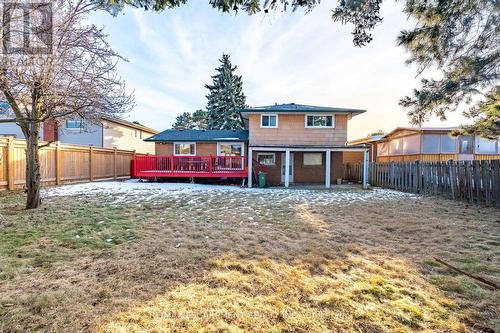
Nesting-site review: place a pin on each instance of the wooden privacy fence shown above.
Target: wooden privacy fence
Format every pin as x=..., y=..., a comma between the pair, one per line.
x=62, y=163
x=472, y=181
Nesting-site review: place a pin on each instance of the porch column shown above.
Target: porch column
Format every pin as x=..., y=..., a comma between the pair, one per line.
x=365, y=169
x=287, y=167
x=250, y=154
x=327, y=168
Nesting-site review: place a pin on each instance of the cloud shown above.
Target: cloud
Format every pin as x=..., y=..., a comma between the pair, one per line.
x=283, y=57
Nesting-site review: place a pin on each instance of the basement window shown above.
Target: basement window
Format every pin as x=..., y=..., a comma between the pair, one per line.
x=313, y=158
x=266, y=158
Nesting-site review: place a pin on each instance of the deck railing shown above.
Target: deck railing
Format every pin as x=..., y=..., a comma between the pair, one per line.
x=189, y=166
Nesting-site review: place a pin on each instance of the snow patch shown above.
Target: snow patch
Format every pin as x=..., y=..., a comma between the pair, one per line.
x=136, y=192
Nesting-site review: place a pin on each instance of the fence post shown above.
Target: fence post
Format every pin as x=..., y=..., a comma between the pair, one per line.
x=58, y=163
x=133, y=162
x=365, y=169
x=10, y=163
x=391, y=175
x=91, y=166
x=452, y=179
x=114, y=163
x=495, y=167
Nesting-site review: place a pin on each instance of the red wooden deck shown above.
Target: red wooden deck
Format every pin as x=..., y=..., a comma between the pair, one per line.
x=153, y=166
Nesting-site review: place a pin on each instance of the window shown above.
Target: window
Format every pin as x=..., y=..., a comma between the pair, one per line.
x=430, y=143
x=269, y=120
x=411, y=144
x=185, y=148
x=465, y=145
x=485, y=146
x=396, y=147
x=230, y=149
x=448, y=144
x=313, y=158
x=319, y=121
x=266, y=158
x=383, y=149
x=74, y=124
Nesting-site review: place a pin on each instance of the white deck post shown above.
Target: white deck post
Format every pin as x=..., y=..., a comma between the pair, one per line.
x=365, y=169
x=250, y=156
x=287, y=167
x=328, y=167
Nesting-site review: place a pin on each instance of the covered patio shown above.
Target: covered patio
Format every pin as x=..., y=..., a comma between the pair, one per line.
x=303, y=163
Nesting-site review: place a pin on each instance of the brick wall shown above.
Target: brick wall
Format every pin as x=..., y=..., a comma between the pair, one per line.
x=307, y=174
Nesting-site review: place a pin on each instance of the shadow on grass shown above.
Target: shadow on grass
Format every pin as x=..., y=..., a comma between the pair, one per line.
x=238, y=263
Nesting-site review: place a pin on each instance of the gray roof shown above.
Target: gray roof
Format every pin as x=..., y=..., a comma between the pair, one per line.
x=171, y=135
x=292, y=107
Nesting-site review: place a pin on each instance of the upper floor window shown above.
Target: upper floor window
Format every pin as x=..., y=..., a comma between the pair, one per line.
x=319, y=121
x=269, y=121
x=74, y=124
x=185, y=148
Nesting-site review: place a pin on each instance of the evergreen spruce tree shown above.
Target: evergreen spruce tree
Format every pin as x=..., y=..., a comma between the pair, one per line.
x=200, y=119
x=225, y=98
x=184, y=121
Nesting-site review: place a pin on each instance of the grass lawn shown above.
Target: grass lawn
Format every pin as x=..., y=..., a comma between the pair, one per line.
x=146, y=257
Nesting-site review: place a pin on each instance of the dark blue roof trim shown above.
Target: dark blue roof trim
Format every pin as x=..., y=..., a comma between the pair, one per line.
x=292, y=107
x=172, y=135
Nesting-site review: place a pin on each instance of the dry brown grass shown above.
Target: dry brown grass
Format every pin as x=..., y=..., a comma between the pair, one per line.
x=246, y=264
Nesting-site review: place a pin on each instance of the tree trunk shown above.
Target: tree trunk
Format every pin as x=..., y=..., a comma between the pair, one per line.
x=32, y=167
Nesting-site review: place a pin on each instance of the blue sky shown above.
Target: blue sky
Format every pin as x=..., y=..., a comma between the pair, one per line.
x=283, y=57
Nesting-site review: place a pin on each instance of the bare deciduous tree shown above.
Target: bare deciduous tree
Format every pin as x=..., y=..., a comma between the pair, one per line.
x=63, y=69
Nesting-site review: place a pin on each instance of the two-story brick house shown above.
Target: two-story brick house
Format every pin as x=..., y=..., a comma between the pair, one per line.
x=299, y=143
x=294, y=143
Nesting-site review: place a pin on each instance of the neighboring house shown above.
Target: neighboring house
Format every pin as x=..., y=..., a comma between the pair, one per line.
x=371, y=142
x=295, y=143
x=108, y=133
x=431, y=144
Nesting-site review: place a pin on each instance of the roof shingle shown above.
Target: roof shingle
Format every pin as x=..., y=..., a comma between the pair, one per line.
x=292, y=107
x=171, y=135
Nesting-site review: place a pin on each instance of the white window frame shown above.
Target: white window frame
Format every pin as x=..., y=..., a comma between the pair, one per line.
x=74, y=128
x=231, y=143
x=274, y=158
x=185, y=143
x=269, y=115
x=319, y=115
